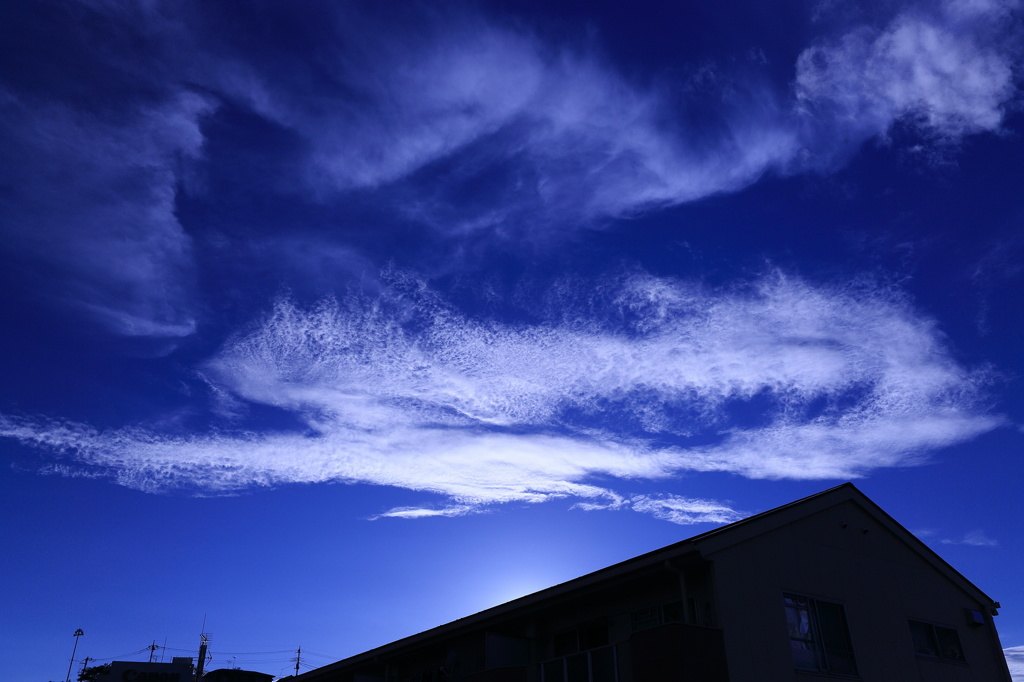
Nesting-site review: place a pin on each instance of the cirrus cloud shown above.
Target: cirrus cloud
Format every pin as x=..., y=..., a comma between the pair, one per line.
x=465, y=125
x=776, y=378
x=474, y=124
x=93, y=200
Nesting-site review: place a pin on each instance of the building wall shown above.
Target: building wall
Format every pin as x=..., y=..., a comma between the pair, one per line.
x=843, y=554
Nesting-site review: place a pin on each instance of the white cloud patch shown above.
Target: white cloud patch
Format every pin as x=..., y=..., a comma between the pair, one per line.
x=1015, y=662
x=92, y=199
x=942, y=71
x=425, y=513
x=975, y=538
x=683, y=510
x=778, y=379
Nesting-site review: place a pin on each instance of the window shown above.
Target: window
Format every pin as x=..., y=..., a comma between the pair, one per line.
x=672, y=612
x=588, y=635
x=593, y=634
x=818, y=635
x=936, y=641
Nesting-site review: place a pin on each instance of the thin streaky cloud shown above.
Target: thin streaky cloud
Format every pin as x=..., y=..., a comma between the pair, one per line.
x=975, y=538
x=94, y=200
x=683, y=510
x=1015, y=662
x=402, y=390
x=577, y=142
x=424, y=512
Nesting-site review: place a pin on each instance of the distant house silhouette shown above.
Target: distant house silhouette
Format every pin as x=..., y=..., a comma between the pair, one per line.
x=178, y=670
x=827, y=587
x=236, y=675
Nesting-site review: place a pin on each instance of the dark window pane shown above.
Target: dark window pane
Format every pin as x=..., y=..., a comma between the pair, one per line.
x=694, y=607
x=841, y=662
x=673, y=612
x=804, y=655
x=819, y=637
x=593, y=634
x=835, y=638
x=801, y=638
x=949, y=644
x=924, y=639
x=798, y=619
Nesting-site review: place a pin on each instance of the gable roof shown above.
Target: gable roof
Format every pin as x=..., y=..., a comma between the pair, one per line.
x=717, y=539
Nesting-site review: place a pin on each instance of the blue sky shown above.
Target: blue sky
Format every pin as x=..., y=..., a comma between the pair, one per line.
x=332, y=323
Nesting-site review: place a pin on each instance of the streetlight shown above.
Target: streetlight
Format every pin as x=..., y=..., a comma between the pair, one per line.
x=78, y=633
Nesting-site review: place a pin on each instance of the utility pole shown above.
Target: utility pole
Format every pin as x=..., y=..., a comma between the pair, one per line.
x=298, y=659
x=152, y=649
x=85, y=663
x=78, y=633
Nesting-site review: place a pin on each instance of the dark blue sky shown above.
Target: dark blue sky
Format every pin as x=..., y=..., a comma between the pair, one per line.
x=334, y=322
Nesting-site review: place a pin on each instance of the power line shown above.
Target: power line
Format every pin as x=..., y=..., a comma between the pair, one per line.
x=253, y=653
x=331, y=657
x=264, y=658
x=120, y=656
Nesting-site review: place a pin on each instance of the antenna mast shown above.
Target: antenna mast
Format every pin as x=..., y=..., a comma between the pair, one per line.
x=203, y=641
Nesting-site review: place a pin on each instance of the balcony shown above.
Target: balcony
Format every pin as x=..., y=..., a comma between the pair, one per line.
x=678, y=652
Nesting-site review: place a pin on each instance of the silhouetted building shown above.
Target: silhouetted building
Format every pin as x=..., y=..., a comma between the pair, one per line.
x=827, y=587
x=236, y=675
x=178, y=670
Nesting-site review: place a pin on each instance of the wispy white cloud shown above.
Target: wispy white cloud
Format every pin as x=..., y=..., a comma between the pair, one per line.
x=515, y=132
x=976, y=538
x=779, y=379
x=563, y=138
x=683, y=510
x=1015, y=662
x=673, y=508
x=425, y=513
x=567, y=138
x=90, y=207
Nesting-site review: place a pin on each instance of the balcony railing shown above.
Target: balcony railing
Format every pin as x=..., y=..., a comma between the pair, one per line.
x=595, y=665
